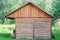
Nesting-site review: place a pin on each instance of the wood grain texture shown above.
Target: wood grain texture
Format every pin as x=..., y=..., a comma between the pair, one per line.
x=25, y=27
x=33, y=27
x=28, y=10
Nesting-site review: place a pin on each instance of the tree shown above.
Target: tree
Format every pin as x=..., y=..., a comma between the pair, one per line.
x=48, y=6
x=6, y=7
x=56, y=10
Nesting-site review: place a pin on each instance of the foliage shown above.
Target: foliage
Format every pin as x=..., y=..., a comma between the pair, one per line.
x=6, y=36
x=56, y=33
x=5, y=31
x=6, y=28
x=6, y=7
x=56, y=8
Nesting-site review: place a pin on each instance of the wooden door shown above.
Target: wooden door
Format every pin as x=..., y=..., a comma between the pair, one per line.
x=24, y=28
x=32, y=27
x=41, y=28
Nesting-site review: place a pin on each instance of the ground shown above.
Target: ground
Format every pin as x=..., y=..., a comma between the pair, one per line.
x=56, y=33
x=6, y=30
x=5, y=36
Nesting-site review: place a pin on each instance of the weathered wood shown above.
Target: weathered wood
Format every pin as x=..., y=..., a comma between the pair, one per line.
x=28, y=10
x=27, y=26
x=42, y=27
x=31, y=22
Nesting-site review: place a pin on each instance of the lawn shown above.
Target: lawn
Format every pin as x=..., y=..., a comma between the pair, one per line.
x=56, y=33
x=5, y=31
x=5, y=36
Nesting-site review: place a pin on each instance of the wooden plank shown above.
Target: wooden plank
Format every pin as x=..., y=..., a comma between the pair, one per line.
x=25, y=27
x=34, y=11
x=25, y=11
x=24, y=20
x=42, y=19
x=29, y=10
x=33, y=26
x=42, y=27
x=24, y=36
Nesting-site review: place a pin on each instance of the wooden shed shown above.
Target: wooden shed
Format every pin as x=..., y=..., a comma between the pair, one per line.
x=31, y=22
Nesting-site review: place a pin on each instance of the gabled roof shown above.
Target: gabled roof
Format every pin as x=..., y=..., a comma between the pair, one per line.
x=26, y=4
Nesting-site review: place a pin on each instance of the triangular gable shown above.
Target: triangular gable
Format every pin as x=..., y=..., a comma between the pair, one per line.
x=23, y=11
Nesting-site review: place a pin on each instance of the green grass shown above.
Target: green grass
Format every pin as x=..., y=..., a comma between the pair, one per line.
x=56, y=34
x=6, y=28
x=25, y=39
x=5, y=36
x=32, y=39
x=5, y=31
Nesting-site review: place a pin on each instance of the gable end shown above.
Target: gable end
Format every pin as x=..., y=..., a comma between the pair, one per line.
x=28, y=10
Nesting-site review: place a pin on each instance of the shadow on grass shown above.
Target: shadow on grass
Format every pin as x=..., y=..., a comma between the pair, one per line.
x=32, y=39
x=5, y=36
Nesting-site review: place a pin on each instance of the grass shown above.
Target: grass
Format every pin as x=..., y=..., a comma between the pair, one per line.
x=6, y=28
x=32, y=39
x=5, y=31
x=56, y=34
x=25, y=39
x=5, y=36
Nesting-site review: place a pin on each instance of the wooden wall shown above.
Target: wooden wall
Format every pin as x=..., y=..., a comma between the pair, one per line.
x=33, y=27
x=24, y=28
x=28, y=10
x=42, y=27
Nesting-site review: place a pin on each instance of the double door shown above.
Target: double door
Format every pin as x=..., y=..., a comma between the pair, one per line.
x=32, y=27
